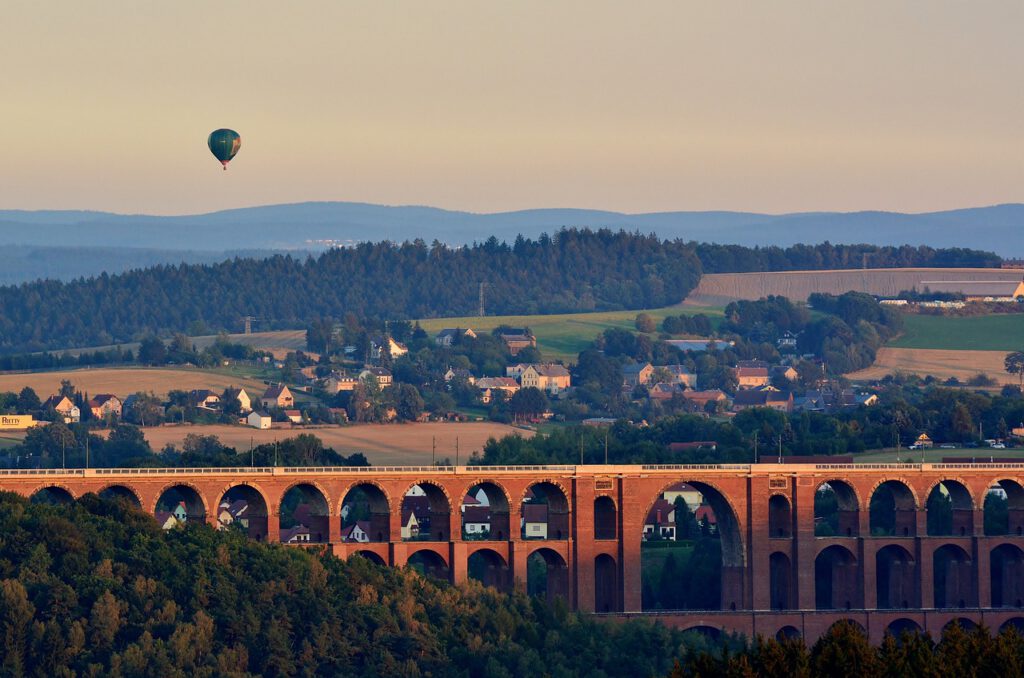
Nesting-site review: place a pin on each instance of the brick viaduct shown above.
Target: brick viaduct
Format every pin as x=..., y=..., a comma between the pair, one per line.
x=777, y=576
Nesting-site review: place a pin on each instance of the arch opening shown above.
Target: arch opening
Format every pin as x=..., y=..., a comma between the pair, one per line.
x=243, y=508
x=365, y=515
x=426, y=514
x=692, y=554
x=179, y=504
x=1004, y=509
x=898, y=627
x=605, y=518
x=52, y=495
x=429, y=564
x=836, y=510
x=895, y=579
x=547, y=575
x=485, y=513
x=121, y=493
x=304, y=516
x=953, y=578
x=606, y=584
x=490, y=569
x=892, y=511
x=1016, y=623
x=1006, y=569
x=545, y=513
x=780, y=518
x=950, y=511
x=780, y=581
x=787, y=633
x=964, y=623
x=837, y=580
x=369, y=555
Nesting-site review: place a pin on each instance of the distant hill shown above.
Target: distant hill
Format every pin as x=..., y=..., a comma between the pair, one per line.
x=312, y=225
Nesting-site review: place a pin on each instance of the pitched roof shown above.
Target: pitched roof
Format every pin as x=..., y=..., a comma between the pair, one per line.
x=751, y=372
x=535, y=513
x=551, y=370
x=704, y=396
x=288, y=533
x=636, y=368
x=275, y=391
x=477, y=514
x=101, y=398
x=660, y=512
x=496, y=382
x=363, y=525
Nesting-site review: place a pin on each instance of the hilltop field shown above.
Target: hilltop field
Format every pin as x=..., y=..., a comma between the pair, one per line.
x=122, y=381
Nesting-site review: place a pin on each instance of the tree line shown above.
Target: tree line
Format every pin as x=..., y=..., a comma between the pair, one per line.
x=574, y=270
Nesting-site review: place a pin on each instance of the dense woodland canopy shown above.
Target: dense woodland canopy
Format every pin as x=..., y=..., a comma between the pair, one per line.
x=97, y=588
x=575, y=270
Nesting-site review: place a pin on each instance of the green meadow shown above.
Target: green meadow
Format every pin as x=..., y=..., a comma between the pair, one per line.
x=563, y=336
x=1004, y=332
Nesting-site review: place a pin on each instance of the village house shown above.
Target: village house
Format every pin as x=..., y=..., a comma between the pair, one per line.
x=786, y=372
x=476, y=520
x=230, y=512
x=763, y=397
x=447, y=336
x=259, y=420
x=535, y=521
x=336, y=383
x=380, y=375
x=459, y=373
x=698, y=400
x=663, y=391
x=516, y=371
x=691, y=496
x=239, y=394
x=105, y=405
x=638, y=374
x=358, y=532
x=294, y=416
x=397, y=349
x=415, y=515
x=546, y=377
x=661, y=521
x=295, y=535
x=277, y=396
x=204, y=398
x=517, y=340
x=750, y=377
x=63, y=405
x=173, y=518
x=680, y=375
x=923, y=442
x=488, y=385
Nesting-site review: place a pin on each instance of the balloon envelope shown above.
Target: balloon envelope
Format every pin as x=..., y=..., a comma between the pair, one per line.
x=224, y=144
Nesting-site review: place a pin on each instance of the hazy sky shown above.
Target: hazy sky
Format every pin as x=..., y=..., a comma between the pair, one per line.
x=773, y=105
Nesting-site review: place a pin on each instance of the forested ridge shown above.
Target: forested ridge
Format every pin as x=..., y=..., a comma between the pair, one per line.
x=97, y=588
x=575, y=270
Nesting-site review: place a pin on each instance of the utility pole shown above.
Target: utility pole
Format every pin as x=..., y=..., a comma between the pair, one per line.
x=755, y=447
x=433, y=450
x=275, y=452
x=248, y=323
x=86, y=449
x=780, y=448
x=482, y=285
x=62, y=456
x=606, y=446
x=581, y=449
x=252, y=454
x=456, y=451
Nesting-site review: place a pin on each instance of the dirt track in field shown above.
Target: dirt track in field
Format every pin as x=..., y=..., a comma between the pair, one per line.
x=939, y=363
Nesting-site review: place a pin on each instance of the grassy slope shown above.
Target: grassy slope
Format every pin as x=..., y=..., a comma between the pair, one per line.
x=563, y=336
x=982, y=333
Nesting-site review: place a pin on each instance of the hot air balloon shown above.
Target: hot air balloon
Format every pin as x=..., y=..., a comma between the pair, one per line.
x=224, y=144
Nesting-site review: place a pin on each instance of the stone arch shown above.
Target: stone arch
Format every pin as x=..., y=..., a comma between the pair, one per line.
x=312, y=482
x=497, y=513
x=836, y=509
x=787, y=633
x=1016, y=623
x=837, y=579
x=710, y=634
x=780, y=576
x=898, y=627
x=1006, y=574
x=963, y=622
x=547, y=574
x=367, y=517
x=895, y=579
x=857, y=626
x=1003, y=508
x=950, y=509
x=243, y=505
x=953, y=577
x=488, y=567
x=426, y=516
x=731, y=581
x=304, y=514
x=606, y=584
x=195, y=504
x=892, y=509
x=545, y=511
x=369, y=555
x=52, y=493
x=115, y=491
x=780, y=517
x=429, y=563
x=605, y=518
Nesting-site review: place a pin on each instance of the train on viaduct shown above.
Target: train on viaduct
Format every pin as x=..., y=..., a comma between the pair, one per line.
x=780, y=575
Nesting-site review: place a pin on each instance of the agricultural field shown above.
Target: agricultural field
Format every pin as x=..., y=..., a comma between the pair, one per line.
x=563, y=336
x=123, y=381
x=941, y=364
x=997, y=332
x=721, y=288
x=278, y=342
x=383, y=444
